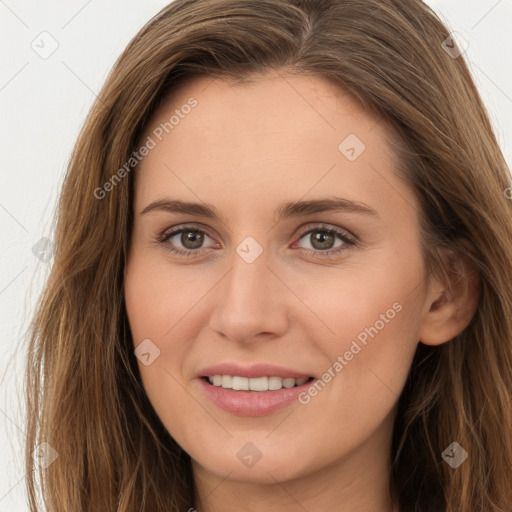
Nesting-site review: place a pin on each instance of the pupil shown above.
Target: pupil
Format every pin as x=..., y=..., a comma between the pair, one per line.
x=324, y=239
x=191, y=236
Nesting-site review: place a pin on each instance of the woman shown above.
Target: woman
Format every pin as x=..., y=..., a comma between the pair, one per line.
x=191, y=353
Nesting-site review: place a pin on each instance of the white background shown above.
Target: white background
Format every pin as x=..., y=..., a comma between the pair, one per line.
x=44, y=103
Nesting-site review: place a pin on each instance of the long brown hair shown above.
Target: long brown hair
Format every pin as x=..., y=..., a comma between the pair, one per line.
x=84, y=393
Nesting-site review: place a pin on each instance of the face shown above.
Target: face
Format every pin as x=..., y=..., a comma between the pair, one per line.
x=298, y=269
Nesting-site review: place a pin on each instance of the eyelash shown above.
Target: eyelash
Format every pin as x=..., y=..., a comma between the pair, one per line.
x=316, y=253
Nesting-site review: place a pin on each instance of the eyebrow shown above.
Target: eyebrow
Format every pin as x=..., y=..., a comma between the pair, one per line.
x=284, y=211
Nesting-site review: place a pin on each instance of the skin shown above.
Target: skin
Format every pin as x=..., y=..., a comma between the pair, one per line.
x=245, y=150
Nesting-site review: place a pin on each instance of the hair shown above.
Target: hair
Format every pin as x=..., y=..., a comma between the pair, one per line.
x=84, y=395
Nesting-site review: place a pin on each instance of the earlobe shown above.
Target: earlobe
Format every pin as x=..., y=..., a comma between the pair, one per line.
x=451, y=304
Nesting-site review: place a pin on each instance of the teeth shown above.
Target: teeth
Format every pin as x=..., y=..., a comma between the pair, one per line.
x=275, y=383
x=258, y=384
x=240, y=383
x=227, y=381
x=255, y=384
x=288, y=382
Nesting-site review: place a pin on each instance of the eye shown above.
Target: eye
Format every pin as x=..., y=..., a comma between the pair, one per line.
x=191, y=240
x=322, y=240
x=188, y=241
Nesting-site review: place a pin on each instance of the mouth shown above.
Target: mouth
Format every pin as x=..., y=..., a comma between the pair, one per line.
x=256, y=390
x=253, y=396
x=259, y=384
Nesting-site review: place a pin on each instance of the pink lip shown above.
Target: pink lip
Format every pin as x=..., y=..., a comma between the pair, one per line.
x=251, y=403
x=257, y=370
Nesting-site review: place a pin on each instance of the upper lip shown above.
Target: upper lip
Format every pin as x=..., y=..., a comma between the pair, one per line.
x=253, y=371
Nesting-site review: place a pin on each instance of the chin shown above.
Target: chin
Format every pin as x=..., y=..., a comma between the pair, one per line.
x=263, y=472
x=260, y=461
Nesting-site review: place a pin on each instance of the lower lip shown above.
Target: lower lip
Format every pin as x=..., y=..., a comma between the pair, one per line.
x=252, y=403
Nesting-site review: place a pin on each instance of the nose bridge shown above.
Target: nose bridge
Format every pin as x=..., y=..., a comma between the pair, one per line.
x=248, y=301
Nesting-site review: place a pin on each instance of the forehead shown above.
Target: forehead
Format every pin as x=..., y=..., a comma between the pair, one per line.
x=278, y=135
x=266, y=103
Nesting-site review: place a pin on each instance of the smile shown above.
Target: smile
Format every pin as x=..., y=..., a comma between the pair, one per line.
x=271, y=383
x=252, y=396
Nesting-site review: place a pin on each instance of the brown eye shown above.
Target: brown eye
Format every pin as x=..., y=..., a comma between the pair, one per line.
x=189, y=242
x=321, y=240
x=192, y=239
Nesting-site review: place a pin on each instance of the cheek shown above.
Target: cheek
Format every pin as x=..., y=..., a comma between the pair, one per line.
x=157, y=297
x=155, y=304
x=374, y=299
x=373, y=316
x=165, y=305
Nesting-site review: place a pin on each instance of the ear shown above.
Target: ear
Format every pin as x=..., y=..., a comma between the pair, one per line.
x=451, y=301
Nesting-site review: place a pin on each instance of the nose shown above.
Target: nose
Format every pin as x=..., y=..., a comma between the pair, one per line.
x=250, y=302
